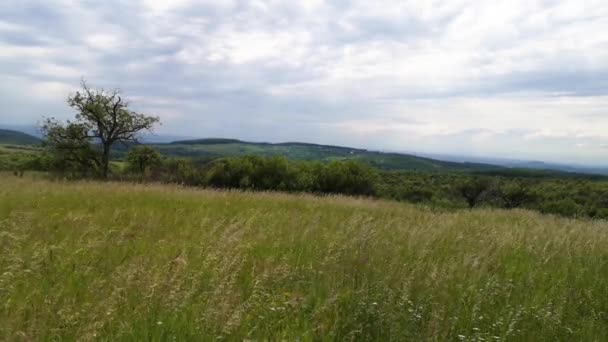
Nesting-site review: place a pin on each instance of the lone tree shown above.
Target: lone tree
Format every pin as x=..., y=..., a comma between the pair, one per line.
x=102, y=117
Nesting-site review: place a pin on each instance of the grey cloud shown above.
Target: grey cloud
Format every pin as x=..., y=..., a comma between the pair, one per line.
x=206, y=96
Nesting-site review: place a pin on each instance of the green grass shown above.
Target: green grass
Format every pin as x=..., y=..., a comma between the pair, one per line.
x=15, y=157
x=110, y=261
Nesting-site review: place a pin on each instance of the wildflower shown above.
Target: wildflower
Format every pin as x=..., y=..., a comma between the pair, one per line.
x=159, y=323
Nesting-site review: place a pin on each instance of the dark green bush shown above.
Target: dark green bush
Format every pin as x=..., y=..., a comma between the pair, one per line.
x=346, y=177
x=182, y=171
x=278, y=174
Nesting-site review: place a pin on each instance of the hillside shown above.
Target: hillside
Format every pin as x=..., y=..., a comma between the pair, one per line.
x=17, y=157
x=10, y=137
x=110, y=261
x=215, y=148
x=211, y=148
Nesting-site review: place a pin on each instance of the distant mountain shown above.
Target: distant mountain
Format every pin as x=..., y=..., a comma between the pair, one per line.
x=524, y=164
x=10, y=137
x=209, y=148
x=32, y=130
x=220, y=147
x=153, y=138
x=208, y=141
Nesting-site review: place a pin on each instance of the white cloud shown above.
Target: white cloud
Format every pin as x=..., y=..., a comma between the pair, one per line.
x=524, y=77
x=50, y=90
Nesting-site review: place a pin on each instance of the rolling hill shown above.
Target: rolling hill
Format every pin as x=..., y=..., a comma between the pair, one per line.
x=217, y=147
x=10, y=137
x=212, y=148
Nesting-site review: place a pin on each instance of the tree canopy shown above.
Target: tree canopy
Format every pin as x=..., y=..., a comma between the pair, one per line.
x=103, y=118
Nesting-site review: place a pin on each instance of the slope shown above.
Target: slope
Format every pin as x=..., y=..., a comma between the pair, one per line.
x=109, y=261
x=215, y=148
x=10, y=137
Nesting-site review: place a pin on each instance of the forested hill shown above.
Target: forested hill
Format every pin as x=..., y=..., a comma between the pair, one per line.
x=213, y=148
x=217, y=147
x=10, y=137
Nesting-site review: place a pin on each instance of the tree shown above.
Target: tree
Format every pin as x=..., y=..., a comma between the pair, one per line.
x=69, y=148
x=102, y=117
x=348, y=177
x=142, y=158
x=473, y=190
x=515, y=194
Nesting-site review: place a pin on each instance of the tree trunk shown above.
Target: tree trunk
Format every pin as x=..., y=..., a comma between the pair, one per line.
x=105, y=161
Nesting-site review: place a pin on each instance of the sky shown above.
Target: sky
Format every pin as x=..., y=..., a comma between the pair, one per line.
x=520, y=79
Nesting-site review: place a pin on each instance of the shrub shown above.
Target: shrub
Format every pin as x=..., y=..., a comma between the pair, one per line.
x=141, y=159
x=474, y=190
x=346, y=177
x=182, y=171
x=515, y=194
x=563, y=207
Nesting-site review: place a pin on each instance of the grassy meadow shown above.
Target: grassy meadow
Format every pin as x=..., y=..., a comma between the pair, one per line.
x=116, y=261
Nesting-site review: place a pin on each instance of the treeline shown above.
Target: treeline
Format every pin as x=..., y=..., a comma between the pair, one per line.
x=576, y=197
x=254, y=173
x=570, y=197
x=82, y=148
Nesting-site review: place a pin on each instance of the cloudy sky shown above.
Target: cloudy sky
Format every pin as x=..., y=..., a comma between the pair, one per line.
x=513, y=79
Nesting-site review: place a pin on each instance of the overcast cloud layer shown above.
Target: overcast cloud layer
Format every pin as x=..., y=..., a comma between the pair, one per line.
x=513, y=79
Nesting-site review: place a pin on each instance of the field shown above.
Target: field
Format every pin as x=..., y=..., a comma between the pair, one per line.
x=115, y=261
x=15, y=157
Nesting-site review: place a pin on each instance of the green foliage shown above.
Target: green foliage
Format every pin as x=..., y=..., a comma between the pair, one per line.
x=515, y=194
x=182, y=171
x=69, y=149
x=474, y=190
x=562, y=196
x=141, y=159
x=348, y=177
x=278, y=174
x=102, y=117
x=20, y=158
x=568, y=196
x=564, y=207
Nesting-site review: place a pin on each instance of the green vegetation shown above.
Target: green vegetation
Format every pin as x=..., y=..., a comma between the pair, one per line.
x=257, y=173
x=141, y=159
x=571, y=196
x=218, y=148
x=10, y=137
x=85, y=260
x=114, y=261
x=102, y=119
x=19, y=158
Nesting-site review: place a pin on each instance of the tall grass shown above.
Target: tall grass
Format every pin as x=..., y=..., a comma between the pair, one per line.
x=108, y=261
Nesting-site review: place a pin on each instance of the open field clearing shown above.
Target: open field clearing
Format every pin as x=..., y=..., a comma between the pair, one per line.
x=111, y=261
